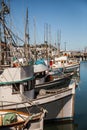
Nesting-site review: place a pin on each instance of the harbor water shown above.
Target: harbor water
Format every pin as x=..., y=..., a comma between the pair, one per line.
x=80, y=118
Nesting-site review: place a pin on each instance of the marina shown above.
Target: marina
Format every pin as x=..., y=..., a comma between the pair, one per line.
x=40, y=85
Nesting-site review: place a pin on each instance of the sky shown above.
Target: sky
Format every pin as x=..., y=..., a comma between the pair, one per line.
x=66, y=16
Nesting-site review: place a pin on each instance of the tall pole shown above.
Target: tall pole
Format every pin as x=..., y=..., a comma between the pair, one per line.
x=3, y=12
x=35, y=38
x=27, y=55
x=59, y=41
x=65, y=45
x=50, y=40
x=0, y=44
x=46, y=41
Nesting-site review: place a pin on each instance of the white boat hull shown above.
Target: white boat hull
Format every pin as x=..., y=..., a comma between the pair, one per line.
x=60, y=105
x=71, y=68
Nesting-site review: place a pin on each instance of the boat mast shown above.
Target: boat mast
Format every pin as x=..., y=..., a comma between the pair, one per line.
x=35, y=39
x=3, y=38
x=26, y=46
x=50, y=52
x=46, y=39
x=0, y=41
x=59, y=40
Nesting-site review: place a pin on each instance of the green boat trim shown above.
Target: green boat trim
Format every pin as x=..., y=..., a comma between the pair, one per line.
x=19, y=81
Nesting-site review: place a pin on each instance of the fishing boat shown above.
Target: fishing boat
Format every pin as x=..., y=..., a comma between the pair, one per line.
x=13, y=119
x=46, y=78
x=66, y=64
x=58, y=102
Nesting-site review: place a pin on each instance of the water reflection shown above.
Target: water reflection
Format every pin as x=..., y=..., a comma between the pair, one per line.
x=80, y=100
x=57, y=126
x=76, y=77
x=5, y=128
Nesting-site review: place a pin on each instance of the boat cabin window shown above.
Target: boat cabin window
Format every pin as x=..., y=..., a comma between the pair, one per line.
x=16, y=88
x=28, y=85
x=64, y=61
x=40, y=75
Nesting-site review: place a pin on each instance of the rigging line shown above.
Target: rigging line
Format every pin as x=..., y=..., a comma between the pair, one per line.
x=1, y=81
x=7, y=30
x=30, y=101
x=16, y=104
x=22, y=97
x=13, y=77
x=24, y=102
x=21, y=116
x=10, y=75
x=64, y=74
x=4, y=77
x=15, y=35
x=20, y=65
x=16, y=29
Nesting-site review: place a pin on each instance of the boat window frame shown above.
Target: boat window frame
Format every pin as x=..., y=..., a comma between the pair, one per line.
x=27, y=86
x=30, y=85
x=14, y=87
